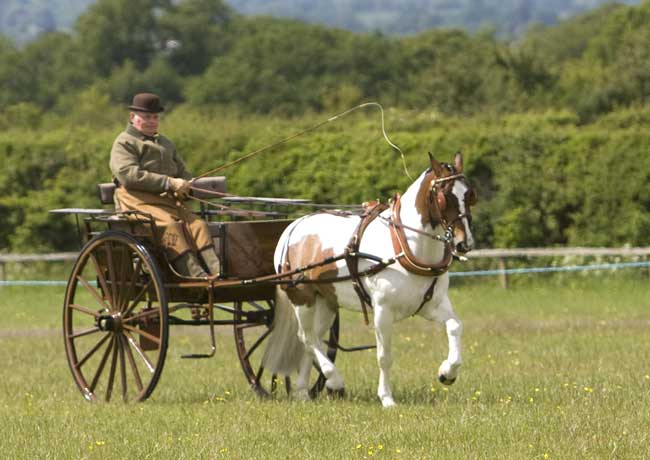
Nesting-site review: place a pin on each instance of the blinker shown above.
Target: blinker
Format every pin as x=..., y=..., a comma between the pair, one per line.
x=442, y=200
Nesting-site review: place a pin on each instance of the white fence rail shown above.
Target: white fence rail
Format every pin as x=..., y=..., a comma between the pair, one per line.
x=26, y=258
x=501, y=254
x=559, y=252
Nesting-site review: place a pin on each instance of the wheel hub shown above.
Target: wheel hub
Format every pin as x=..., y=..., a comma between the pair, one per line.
x=110, y=323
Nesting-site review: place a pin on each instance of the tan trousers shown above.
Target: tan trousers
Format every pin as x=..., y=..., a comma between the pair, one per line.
x=180, y=230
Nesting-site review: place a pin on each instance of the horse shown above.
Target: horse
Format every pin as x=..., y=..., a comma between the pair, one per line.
x=400, y=259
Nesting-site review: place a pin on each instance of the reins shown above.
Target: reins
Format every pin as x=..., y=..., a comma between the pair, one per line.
x=351, y=254
x=308, y=130
x=289, y=138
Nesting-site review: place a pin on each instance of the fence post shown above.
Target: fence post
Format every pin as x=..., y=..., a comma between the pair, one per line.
x=503, y=276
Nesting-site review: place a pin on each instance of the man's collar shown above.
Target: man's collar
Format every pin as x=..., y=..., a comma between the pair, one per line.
x=133, y=131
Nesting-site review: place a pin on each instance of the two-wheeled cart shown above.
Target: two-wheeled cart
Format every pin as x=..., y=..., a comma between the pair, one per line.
x=122, y=296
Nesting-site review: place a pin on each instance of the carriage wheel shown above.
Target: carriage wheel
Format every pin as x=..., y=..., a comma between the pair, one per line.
x=252, y=327
x=115, y=321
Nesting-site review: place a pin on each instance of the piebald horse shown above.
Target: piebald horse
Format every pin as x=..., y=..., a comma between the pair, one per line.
x=430, y=223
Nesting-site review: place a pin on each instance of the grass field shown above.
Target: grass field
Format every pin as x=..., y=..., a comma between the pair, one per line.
x=554, y=368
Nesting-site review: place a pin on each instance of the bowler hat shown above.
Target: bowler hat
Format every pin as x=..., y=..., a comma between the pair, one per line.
x=146, y=102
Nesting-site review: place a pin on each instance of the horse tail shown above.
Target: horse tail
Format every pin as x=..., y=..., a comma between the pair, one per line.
x=284, y=350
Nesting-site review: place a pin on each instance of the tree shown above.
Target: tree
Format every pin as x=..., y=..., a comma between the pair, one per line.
x=195, y=32
x=113, y=31
x=446, y=70
x=275, y=66
x=52, y=70
x=14, y=87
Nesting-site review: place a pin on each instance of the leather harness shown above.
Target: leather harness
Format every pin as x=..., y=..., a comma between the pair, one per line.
x=403, y=254
x=370, y=213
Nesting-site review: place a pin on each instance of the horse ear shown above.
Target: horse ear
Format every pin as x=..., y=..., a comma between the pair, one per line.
x=458, y=162
x=435, y=166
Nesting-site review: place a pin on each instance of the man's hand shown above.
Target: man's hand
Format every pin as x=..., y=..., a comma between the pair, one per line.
x=180, y=187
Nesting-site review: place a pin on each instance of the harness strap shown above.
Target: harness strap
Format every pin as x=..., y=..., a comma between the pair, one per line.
x=427, y=295
x=372, y=210
x=406, y=258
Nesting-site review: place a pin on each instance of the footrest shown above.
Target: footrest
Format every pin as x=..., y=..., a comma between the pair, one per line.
x=199, y=355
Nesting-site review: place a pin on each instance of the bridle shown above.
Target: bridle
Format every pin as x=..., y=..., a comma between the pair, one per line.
x=436, y=197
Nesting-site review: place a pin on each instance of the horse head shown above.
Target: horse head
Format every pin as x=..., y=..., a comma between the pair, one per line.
x=445, y=199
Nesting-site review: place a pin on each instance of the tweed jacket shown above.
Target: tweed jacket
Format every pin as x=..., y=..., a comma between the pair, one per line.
x=140, y=162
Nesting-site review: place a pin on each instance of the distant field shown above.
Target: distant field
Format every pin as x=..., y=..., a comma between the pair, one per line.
x=554, y=368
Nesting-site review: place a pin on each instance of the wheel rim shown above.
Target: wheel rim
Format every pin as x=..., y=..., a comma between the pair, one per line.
x=251, y=329
x=115, y=320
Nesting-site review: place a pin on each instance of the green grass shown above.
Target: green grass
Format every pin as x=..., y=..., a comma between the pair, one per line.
x=553, y=368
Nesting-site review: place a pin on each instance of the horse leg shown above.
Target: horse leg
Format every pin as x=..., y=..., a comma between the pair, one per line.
x=323, y=322
x=448, y=370
x=305, y=316
x=383, y=320
x=302, y=382
x=313, y=322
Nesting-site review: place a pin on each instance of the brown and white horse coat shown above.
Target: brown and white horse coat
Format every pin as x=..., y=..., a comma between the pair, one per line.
x=395, y=292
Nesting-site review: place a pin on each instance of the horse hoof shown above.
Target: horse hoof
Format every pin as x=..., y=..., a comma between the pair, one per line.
x=339, y=393
x=445, y=381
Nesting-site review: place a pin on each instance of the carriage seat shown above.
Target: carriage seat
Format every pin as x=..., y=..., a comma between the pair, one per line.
x=209, y=184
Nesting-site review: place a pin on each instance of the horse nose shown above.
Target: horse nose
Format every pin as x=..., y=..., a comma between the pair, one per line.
x=463, y=247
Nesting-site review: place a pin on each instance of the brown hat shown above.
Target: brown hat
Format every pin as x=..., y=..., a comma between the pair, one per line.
x=146, y=102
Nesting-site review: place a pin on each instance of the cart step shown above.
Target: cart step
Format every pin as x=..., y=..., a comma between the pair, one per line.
x=213, y=349
x=198, y=355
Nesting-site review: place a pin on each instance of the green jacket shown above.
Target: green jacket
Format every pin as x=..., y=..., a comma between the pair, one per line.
x=142, y=163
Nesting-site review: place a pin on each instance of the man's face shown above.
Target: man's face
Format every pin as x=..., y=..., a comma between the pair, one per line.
x=146, y=123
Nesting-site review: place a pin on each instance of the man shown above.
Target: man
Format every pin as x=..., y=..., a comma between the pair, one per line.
x=151, y=178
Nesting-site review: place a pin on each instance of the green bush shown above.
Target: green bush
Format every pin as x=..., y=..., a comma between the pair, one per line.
x=542, y=179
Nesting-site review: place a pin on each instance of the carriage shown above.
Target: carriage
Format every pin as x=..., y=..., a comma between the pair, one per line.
x=123, y=295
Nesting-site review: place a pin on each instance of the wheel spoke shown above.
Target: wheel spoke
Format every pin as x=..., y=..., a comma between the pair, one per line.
x=120, y=344
x=137, y=299
x=111, y=372
x=76, y=335
x=111, y=273
x=258, y=374
x=142, y=315
x=144, y=334
x=257, y=343
x=122, y=272
x=102, y=278
x=141, y=353
x=256, y=305
x=93, y=292
x=249, y=325
x=102, y=363
x=92, y=351
x=85, y=310
x=134, y=367
x=134, y=279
